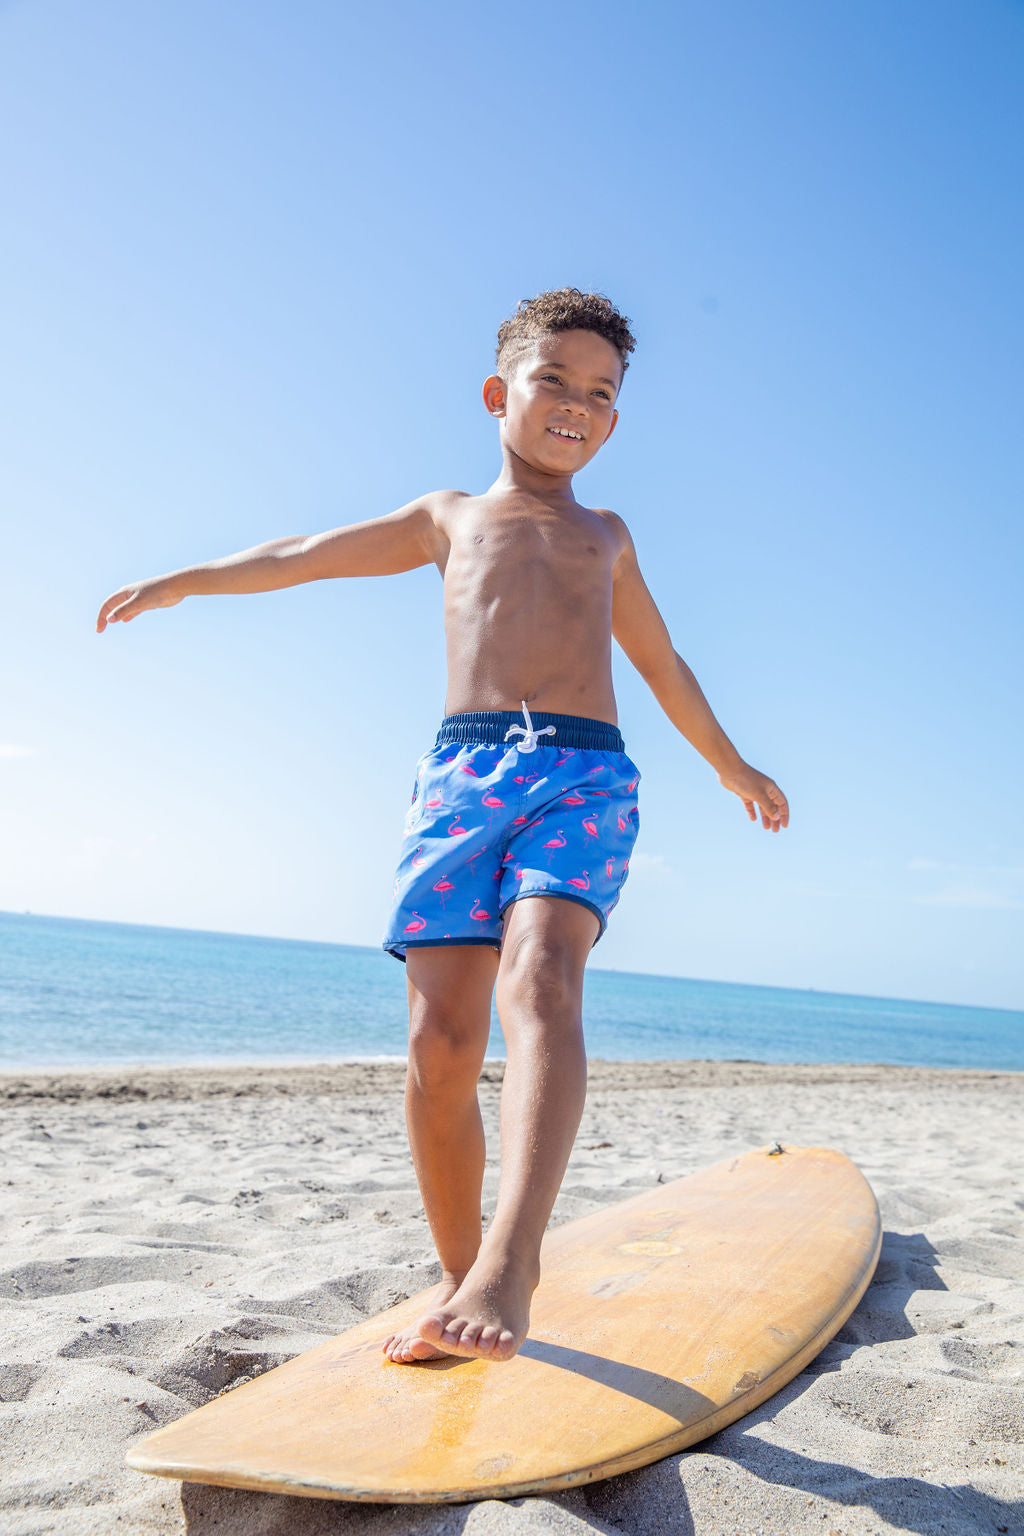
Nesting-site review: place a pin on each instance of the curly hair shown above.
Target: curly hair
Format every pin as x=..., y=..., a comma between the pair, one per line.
x=561, y=309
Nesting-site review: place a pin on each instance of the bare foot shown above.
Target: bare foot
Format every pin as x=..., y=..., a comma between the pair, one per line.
x=487, y=1317
x=407, y=1347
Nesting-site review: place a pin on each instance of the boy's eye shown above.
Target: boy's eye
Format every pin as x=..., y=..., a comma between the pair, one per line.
x=603, y=393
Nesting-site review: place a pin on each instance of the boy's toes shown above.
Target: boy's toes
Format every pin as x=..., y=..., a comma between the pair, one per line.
x=419, y=1349
x=505, y=1346
x=407, y=1348
x=432, y=1327
x=470, y=1336
x=453, y=1332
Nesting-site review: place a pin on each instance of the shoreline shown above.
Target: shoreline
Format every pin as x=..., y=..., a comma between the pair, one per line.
x=359, y=1077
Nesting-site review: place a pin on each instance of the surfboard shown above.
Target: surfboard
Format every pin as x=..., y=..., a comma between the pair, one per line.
x=657, y=1321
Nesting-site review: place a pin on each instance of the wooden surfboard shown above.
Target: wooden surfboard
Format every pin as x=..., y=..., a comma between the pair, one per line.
x=657, y=1322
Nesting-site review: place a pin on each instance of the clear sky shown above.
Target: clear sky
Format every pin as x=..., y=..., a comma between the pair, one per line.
x=254, y=257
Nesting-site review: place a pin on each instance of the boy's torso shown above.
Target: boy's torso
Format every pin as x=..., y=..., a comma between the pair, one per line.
x=527, y=602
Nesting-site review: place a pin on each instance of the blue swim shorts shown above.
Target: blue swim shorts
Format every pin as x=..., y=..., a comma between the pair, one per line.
x=501, y=811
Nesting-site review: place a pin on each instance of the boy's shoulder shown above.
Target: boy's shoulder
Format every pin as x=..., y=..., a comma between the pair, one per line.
x=611, y=518
x=446, y=500
x=616, y=526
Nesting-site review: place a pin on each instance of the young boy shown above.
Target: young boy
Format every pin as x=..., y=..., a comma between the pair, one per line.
x=518, y=839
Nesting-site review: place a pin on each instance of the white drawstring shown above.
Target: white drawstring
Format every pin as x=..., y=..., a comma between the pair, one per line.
x=529, y=735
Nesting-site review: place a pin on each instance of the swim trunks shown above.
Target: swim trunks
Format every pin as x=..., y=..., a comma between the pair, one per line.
x=501, y=812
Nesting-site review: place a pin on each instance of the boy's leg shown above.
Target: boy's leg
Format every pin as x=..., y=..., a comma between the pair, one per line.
x=450, y=991
x=540, y=988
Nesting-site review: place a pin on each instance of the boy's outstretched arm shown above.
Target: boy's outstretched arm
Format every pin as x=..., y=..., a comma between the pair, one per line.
x=641, y=631
x=381, y=547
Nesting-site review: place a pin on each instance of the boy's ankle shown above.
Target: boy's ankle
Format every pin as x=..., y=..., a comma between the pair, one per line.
x=510, y=1258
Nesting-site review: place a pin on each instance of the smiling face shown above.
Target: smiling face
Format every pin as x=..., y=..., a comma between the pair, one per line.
x=559, y=405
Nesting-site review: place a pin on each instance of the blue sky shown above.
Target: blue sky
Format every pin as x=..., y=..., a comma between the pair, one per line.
x=254, y=259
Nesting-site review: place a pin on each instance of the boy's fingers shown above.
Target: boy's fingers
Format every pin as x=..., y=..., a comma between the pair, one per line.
x=777, y=809
x=111, y=610
x=748, y=806
x=124, y=610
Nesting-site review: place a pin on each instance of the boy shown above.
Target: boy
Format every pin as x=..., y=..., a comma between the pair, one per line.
x=518, y=839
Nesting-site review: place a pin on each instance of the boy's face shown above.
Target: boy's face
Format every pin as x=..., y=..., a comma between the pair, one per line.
x=559, y=405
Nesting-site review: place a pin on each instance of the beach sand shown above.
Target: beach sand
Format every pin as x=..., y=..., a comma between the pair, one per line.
x=170, y=1232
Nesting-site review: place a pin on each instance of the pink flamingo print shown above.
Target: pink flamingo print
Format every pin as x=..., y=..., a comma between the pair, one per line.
x=558, y=841
x=623, y=823
x=467, y=769
x=633, y=784
x=490, y=799
x=566, y=754
x=572, y=798
x=417, y=925
x=525, y=778
x=416, y=860
x=609, y=867
x=433, y=802
x=471, y=861
x=481, y=916
x=589, y=827
x=592, y=773
x=582, y=883
x=454, y=830
x=520, y=821
x=442, y=887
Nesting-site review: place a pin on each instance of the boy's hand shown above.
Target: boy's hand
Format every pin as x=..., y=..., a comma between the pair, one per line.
x=758, y=793
x=128, y=602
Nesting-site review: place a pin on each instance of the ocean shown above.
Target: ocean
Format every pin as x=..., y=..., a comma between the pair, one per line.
x=75, y=993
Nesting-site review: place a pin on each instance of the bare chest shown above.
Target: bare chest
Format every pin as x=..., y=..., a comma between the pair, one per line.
x=574, y=551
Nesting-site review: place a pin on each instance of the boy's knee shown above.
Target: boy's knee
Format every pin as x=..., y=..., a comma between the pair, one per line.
x=445, y=1050
x=540, y=974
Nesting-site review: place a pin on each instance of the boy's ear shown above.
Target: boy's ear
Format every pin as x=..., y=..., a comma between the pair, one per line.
x=611, y=429
x=495, y=395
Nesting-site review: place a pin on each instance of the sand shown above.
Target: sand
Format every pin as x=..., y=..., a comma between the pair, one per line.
x=168, y=1233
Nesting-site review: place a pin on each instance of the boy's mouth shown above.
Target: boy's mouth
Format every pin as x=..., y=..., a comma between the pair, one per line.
x=566, y=432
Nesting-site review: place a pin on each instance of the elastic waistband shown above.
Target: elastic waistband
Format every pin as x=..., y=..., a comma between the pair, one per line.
x=488, y=727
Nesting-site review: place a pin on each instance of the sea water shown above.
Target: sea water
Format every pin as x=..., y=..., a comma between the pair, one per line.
x=77, y=993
